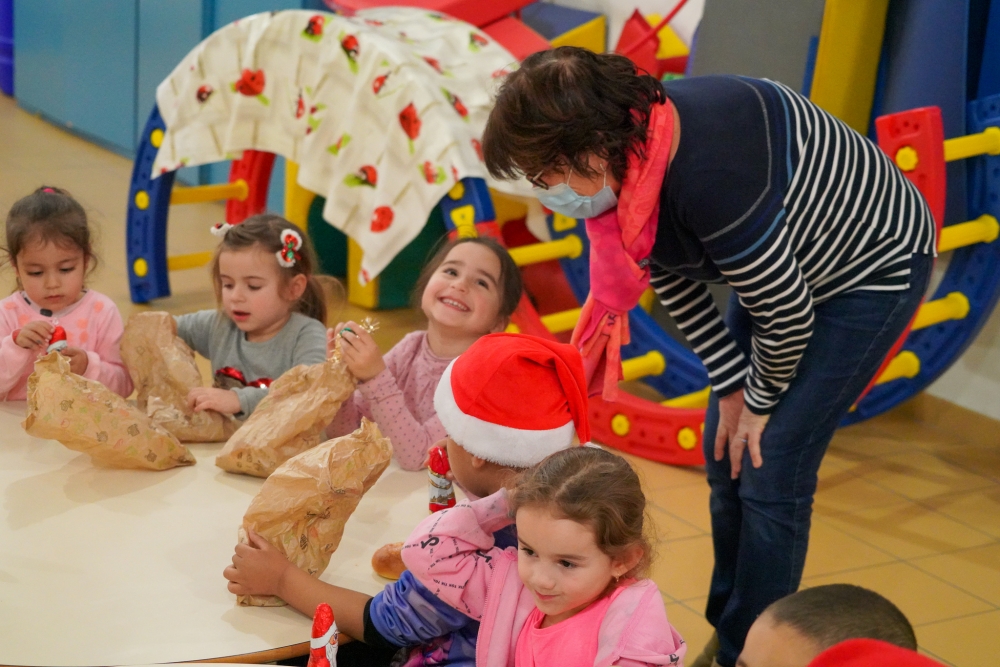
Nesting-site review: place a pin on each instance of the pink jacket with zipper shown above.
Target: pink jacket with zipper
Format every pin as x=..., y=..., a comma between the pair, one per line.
x=453, y=555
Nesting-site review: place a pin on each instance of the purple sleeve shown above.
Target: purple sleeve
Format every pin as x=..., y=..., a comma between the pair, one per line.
x=405, y=613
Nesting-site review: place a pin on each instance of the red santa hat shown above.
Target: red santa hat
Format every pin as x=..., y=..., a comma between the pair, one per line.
x=514, y=399
x=870, y=653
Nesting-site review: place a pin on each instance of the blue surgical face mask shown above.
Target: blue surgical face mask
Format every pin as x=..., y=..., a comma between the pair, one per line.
x=563, y=199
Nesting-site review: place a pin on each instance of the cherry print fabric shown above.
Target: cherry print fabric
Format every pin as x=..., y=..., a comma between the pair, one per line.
x=383, y=111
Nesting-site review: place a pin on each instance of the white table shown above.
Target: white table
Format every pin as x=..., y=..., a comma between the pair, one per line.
x=113, y=567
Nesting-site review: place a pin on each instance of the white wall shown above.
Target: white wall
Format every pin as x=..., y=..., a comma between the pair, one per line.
x=618, y=11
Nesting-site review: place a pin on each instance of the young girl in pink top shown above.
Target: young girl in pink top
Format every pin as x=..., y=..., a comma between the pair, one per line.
x=470, y=288
x=49, y=247
x=572, y=593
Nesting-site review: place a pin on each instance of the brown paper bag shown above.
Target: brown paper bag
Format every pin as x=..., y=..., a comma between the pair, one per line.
x=290, y=419
x=88, y=417
x=301, y=509
x=163, y=371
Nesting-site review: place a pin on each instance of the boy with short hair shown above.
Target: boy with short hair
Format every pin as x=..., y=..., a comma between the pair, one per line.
x=799, y=627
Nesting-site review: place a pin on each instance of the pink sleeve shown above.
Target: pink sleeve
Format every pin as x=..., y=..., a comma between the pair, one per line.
x=16, y=362
x=104, y=361
x=348, y=418
x=410, y=437
x=451, y=552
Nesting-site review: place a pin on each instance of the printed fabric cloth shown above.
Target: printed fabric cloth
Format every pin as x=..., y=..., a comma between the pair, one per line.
x=383, y=111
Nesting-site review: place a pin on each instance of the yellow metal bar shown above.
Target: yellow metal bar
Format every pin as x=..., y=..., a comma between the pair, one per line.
x=203, y=193
x=954, y=306
x=192, y=261
x=563, y=321
x=647, y=299
x=983, y=229
x=651, y=363
x=904, y=365
x=698, y=399
x=569, y=246
x=297, y=198
x=985, y=142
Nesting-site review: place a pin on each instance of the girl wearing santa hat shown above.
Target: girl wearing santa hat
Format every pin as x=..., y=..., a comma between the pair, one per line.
x=506, y=403
x=468, y=289
x=49, y=247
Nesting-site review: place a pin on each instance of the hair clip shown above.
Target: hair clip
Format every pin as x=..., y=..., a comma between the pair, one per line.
x=291, y=242
x=220, y=229
x=49, y=190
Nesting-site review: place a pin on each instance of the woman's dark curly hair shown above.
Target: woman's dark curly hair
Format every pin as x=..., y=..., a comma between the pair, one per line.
x=564, y=104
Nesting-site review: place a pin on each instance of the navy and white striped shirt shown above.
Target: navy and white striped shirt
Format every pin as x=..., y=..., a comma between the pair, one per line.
x=790, y=207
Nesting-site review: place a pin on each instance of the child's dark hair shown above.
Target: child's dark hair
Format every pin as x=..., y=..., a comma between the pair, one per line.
x=595, y=488
x=48, y=215
x=835, y=613
x=509, y=285
x=265, y=230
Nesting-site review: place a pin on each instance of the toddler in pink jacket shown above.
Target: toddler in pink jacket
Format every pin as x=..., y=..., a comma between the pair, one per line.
x=571, y=593
x=49, y=247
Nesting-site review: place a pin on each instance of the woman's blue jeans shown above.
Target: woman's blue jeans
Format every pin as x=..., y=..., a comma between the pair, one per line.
x=760, y=522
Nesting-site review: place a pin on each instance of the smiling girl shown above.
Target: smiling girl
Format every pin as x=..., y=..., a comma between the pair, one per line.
x=271, y=315
x=49, y=247
x=572, y=593
x=470, y=288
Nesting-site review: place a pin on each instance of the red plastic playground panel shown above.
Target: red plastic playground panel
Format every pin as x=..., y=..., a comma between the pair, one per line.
x=477, y=12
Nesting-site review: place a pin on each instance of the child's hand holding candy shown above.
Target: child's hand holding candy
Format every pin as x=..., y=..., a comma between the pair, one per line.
x=34, y=334
x=361, y=353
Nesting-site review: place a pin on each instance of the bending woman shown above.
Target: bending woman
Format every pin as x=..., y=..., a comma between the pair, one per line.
x=726, y=179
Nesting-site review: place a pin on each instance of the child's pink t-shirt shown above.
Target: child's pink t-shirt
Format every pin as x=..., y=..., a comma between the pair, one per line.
x=400, y=400
x=92, y=324
x=572, y=642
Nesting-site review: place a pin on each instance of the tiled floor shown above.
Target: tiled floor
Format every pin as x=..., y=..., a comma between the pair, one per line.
x=909, y=502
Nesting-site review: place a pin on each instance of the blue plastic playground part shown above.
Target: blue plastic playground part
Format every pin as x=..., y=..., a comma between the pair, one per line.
x=474, y=193
x=684, y=373
x=972, y=270
x=146, y=220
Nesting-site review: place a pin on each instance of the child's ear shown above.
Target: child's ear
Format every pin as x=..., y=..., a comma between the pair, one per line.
x=627, y=560
x=297, y=287
x=501, y=325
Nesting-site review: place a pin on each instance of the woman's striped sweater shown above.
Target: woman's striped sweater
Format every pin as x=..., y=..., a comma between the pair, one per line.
x=790, y=207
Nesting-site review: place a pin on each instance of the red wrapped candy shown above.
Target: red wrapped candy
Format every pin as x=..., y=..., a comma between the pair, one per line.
x=442, y=493
x=323, y=643
x=58, y=340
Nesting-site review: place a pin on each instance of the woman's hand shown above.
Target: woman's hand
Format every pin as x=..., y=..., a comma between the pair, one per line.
x=78, y=359
x=740, y=429
x=34, y=335
x=257, y=569
x=224, y=401
x=361, y=353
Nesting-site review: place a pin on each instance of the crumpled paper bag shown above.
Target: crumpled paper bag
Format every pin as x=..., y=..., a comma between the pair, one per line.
x=290, y=419
x=88, y=417
x=163, y=371
x=302, y=508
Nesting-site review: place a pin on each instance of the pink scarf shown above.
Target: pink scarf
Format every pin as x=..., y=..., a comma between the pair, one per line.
x=620, y=240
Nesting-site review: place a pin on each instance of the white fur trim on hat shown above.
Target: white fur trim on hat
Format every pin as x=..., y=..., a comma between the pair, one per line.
x=504, y=445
